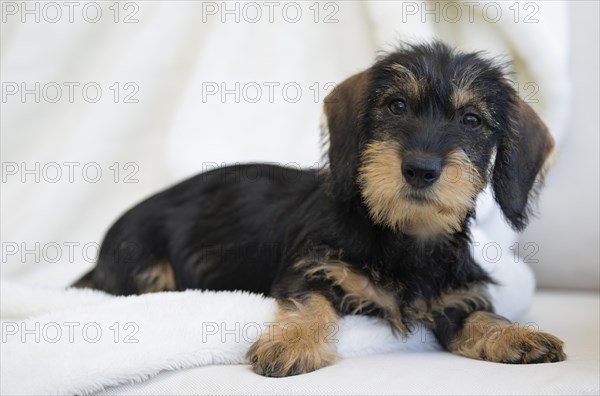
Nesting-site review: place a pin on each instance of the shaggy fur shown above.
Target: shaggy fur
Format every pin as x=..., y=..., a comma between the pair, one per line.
x=384, y=230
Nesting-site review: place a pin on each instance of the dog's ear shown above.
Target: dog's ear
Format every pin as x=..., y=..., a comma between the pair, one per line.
x=521, y=160
x=343, y=108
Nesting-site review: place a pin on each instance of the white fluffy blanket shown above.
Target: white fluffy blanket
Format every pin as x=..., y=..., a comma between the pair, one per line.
x=89, y=340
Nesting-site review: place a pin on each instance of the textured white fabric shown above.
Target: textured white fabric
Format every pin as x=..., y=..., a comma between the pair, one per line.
x=170, y=330
x=72, y=338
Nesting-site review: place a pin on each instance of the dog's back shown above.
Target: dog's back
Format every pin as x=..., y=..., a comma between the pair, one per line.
x=175, y=240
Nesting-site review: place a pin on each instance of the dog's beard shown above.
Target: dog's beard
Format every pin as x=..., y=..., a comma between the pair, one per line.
x=439, y=209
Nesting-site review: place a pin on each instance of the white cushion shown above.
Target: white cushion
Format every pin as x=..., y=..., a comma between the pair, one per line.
x=563, y=241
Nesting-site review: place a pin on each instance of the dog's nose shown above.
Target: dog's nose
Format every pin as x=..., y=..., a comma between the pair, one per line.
x=421, y=172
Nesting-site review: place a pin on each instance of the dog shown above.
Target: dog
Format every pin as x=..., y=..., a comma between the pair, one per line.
x=383, y=230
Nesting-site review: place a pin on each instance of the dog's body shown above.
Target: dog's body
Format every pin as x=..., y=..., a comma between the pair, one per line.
x=382, y=231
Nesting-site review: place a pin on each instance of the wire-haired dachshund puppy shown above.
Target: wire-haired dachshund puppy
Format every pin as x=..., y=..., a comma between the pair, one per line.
x=383, y=230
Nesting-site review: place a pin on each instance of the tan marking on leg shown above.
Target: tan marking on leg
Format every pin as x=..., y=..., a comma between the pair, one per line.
x=298, y=343
x=361, y=294
x=85, y=282
x=157, y=278
x=463, y=299
x=384, y=191
x=486, y=336
x=468, y=300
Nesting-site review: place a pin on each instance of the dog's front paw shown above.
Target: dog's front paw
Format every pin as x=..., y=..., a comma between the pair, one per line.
x=278, y=357
x=490, y=337
x=520, y=345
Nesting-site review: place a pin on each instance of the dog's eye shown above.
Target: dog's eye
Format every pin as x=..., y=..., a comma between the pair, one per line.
x=397, y=106
x=471, y=120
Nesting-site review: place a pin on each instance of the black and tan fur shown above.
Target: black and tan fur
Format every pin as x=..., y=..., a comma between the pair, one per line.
x=383, y=230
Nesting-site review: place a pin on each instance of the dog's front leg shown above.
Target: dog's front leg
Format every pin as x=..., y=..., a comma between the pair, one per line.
x=481, y=334
x=296, y=342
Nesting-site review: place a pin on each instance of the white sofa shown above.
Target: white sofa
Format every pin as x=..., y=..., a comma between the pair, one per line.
x=167, y=139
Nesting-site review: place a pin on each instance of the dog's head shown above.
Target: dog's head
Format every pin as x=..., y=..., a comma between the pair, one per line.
x=419, y=135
